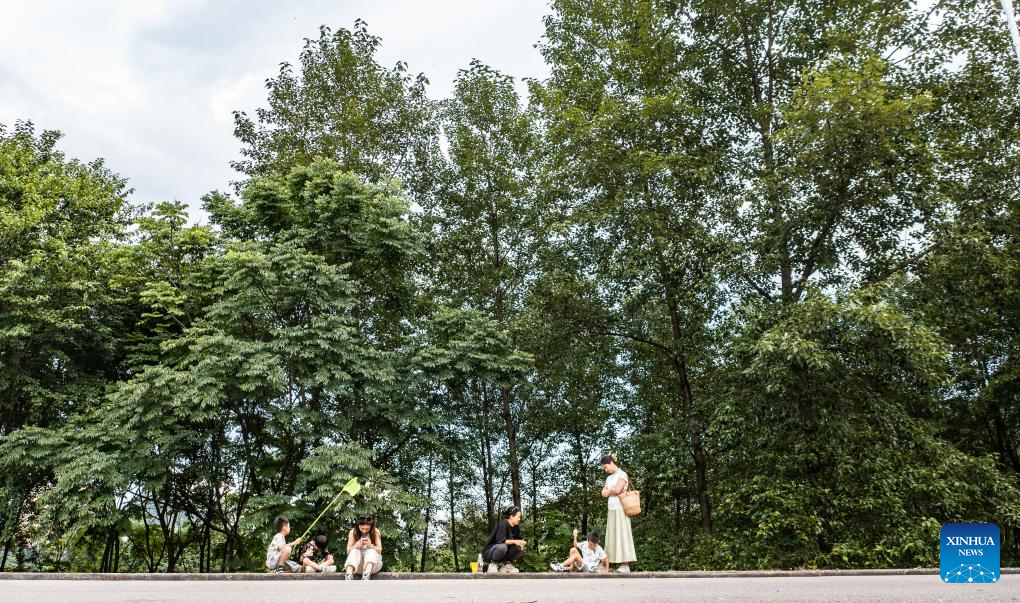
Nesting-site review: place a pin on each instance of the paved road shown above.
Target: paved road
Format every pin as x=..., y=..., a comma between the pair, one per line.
x=834, y=588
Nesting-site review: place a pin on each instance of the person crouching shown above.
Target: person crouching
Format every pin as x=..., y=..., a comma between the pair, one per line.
x=505, y=544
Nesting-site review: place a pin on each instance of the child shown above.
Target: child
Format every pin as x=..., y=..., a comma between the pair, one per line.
x=278, y=553
x=316, y=556
x=588, y=558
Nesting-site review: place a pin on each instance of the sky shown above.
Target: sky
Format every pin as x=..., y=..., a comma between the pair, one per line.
x=150, y=85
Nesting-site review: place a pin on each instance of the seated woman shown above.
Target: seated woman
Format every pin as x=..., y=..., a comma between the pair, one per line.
x=505, y=545
x=364, y=549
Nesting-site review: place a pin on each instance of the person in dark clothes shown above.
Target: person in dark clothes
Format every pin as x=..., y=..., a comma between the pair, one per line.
x=315, y=557
x=505, y=544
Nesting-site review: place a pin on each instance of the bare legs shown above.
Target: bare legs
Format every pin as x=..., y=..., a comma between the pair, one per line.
x=574, y=560
x=350, y=569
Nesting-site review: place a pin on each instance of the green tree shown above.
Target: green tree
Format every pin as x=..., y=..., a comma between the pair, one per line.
x=823, y=458
x=341, y=104
x=481, y=221
x=766, y=250
x=364, y=231
x=466, y=358
x=638, y=165
x=967, y=288
x=58, y=218
x=826, y=148
x=59, y=344
x=580, y=385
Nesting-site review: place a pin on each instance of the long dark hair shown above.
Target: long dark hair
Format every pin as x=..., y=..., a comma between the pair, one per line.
x=505, y=514
x=365, y=520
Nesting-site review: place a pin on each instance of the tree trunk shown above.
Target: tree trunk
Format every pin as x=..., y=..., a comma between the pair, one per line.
x=168, y=526
x=7, y=547
x=205, y=549
x=762, y=101
x=487, y=471
x=677, y=492
x=511, y=440
x=428, y=519
x=697, y=449
x=226, y=550
x=19, y=558
x=534, y=504
x=583, y=470
x=453, y=519
x=504, y=392
x=1001, y=438
x=149, y=555
x=668, y=281
x=107, y=562
x=201, y=552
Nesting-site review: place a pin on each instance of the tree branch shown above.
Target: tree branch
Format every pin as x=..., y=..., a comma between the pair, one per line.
x=902, y=265
x=640, y=339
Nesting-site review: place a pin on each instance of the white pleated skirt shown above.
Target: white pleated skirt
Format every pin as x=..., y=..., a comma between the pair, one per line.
x=619, y=539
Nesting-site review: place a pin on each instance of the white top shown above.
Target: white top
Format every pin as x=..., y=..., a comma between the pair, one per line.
x=591, y=556
x=611, y=482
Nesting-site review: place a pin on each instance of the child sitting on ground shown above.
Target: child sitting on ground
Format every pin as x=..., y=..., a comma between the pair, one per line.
x=587, y=558
x=278, y=553
x=316, y=556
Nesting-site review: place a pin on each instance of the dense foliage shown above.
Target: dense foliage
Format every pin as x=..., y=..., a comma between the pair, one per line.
x=767, y=251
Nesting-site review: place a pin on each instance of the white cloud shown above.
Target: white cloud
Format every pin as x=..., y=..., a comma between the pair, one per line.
x=150, y=86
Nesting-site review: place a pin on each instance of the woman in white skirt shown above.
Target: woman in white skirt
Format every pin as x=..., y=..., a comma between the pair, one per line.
x=364, y=549
x=619, y=539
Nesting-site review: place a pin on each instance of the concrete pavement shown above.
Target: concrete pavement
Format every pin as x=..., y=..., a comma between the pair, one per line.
x=910, y=587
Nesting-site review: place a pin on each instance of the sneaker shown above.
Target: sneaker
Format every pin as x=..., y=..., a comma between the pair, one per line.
x=556, y=567
x=493, y=569
x=508, y=568
x=348, y=576
x=367, y=575
x=623, y=569
x=277, y=570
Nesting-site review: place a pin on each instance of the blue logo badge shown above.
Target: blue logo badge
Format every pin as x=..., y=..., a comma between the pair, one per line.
x=969, y=553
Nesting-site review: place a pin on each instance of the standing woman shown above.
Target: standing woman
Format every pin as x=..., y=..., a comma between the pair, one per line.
x=619, y=539
x=364, y=549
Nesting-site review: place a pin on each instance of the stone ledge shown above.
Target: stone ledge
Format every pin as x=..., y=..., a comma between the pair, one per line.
x=469, y=576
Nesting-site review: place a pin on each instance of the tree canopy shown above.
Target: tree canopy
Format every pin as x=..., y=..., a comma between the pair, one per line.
x=766, y=251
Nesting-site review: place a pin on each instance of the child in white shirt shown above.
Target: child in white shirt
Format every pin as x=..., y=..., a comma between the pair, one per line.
x=588, y=557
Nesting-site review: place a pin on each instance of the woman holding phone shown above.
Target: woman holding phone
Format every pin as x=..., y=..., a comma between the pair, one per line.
x=364, y=549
